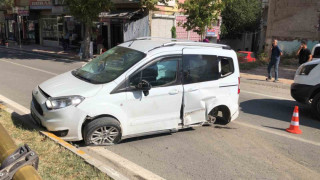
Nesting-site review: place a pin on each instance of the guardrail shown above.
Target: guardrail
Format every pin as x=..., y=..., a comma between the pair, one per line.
x=17, y=163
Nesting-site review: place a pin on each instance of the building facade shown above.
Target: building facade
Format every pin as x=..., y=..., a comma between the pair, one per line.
x=168, y=16
x=291, y=21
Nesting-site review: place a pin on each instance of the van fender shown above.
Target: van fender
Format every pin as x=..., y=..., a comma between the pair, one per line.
x=106, y=109
x=212, y=103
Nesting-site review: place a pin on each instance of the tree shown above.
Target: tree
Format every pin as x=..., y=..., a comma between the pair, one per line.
x=5, y=4
x=240, y=16
x=87, y=11
x=201, y=14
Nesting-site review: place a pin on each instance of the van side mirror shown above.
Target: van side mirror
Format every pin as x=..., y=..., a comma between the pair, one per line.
x=145, y=86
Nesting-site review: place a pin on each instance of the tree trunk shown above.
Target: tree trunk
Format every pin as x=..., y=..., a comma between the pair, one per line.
x=86, y=41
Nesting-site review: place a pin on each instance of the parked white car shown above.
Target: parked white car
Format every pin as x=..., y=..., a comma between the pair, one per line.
x=145, y=86
x=306, y=86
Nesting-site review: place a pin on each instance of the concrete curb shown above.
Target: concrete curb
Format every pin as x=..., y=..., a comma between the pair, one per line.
x=103, y=168
x=46, y=54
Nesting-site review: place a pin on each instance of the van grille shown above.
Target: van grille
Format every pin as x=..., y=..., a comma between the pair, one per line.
x=37, y=105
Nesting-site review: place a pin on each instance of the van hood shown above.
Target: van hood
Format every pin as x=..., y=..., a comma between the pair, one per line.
x=314, y=61
x=67, y=84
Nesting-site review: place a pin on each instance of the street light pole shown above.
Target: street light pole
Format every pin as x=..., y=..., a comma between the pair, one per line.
x=7, y=147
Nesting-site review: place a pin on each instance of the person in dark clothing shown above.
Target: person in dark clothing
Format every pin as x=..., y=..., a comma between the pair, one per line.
x=276, y=52
x=304, y=53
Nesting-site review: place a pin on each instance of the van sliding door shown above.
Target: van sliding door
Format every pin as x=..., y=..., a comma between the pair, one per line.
x=200, y=83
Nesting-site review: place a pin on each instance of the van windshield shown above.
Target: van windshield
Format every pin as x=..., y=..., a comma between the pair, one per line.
x=108, y=66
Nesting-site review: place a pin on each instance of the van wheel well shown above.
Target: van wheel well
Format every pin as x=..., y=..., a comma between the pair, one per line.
x=89, y=119
x=314, y=93
x=222, y=113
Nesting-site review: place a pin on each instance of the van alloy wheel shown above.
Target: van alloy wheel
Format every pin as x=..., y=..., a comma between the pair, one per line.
x=103, y=131
x=104, y=135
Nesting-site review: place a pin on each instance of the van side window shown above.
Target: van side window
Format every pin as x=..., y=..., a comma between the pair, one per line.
x=226, y=66
x=160, y=73
x=200, y=68
x=316, y=53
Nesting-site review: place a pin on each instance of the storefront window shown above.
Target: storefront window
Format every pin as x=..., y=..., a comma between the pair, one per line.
x=74, y=28
x=31, y=30
x=50, y=29
x=11, y=29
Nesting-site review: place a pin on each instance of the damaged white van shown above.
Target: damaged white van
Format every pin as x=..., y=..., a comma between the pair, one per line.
x=144, y=86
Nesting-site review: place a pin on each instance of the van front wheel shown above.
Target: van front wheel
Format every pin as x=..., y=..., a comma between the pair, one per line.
x=316, y=105
x=102, y=131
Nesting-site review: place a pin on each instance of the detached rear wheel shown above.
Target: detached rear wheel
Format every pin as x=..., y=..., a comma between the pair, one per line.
x=315, y=104
x=103, y=131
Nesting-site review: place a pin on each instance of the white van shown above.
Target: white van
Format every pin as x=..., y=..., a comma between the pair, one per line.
x=306, y=86
x=145, y=86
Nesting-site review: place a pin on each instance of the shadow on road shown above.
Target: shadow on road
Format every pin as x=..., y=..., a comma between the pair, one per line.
x=18, y=55
x=281, y=110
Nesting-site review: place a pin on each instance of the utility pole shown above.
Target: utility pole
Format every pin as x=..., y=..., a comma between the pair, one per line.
x=19, y=18
x=8, y=147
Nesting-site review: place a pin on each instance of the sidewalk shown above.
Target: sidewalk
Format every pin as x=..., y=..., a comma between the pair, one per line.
x=49, y=51
x=286, y=75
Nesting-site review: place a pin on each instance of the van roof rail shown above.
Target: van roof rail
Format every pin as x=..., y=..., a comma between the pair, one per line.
x=198, y=44
x=191, y=43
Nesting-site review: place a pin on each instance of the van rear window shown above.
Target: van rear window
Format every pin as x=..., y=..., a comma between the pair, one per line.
x=227, y=67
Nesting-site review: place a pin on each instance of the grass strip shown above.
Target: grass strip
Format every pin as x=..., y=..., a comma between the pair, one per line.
x=56, y=162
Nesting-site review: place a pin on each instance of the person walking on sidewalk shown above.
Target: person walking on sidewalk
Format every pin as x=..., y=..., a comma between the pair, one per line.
x=276, y=52
x=304, y=53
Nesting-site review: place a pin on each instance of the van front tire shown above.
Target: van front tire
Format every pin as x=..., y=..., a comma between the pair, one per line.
x=103, y=131
x=316, y=106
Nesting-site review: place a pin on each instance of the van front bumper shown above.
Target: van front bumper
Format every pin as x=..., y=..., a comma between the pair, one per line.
x=65, y=122
x=301, y=92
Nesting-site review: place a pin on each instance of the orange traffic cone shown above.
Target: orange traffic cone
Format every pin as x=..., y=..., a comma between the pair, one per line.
x=294, y=126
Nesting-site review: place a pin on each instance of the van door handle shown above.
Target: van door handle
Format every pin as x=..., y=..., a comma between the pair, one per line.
x=192, y=89
x=174, y=91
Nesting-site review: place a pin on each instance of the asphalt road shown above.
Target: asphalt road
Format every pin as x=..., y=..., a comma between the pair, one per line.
x=255, y=146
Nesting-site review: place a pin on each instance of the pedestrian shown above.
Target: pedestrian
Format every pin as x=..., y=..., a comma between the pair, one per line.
x=304, y=53
x=99, y=43
x=276, y=52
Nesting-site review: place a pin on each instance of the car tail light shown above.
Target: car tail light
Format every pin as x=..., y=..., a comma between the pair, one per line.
x=239, y=85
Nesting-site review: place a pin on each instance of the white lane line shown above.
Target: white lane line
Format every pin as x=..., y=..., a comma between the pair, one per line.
x=14, y=105
x=277, y=133
x=259, y=94
x=51, y=73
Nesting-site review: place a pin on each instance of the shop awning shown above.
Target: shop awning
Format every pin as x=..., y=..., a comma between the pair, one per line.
x=125, y=14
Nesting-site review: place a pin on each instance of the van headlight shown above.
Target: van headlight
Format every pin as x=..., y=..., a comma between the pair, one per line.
x=306, y=69
x=62, y=102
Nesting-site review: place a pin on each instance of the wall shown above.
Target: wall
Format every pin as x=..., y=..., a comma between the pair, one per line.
x=291, y=20
x=243, y=43
x=290, y=47
x=161, y=26
x=182, y=33
x=135, y=29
